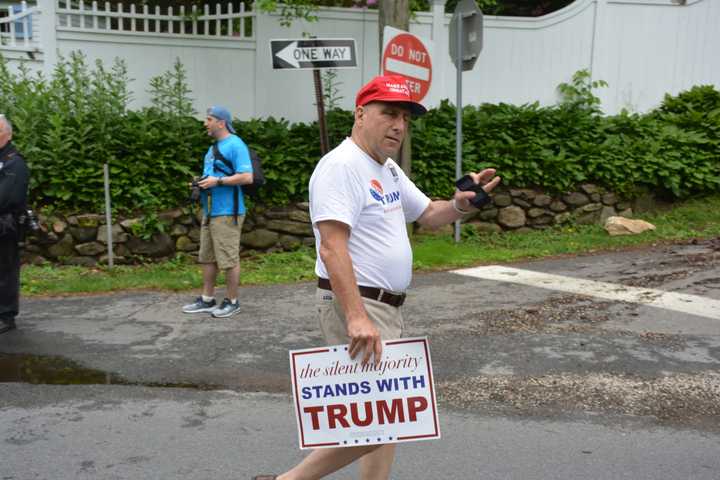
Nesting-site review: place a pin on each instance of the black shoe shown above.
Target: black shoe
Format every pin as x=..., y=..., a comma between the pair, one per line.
x=7, y=325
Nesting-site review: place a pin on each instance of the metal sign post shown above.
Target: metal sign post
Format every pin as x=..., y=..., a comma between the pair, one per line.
x=108, y=214
x=458, y=116
x=466, y=42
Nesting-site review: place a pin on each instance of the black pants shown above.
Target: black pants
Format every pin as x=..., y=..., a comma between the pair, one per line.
x=9, y=279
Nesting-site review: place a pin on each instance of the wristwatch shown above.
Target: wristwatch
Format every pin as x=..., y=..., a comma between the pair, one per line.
x=220, y=182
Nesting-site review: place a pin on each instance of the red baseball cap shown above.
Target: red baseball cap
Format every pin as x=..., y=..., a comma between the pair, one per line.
x=389, y=88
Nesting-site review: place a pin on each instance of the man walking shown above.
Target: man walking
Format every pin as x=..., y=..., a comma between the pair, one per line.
x=14, y=180
x=360, y=203
x=226, y=167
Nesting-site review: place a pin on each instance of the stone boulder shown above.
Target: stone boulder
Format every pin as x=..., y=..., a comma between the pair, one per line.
x=89, y=249
x=558, y=206
x=83, y=234
x=58, y=226
x=118, y=234
x=259, y=238
x=289, y=242
x=511, y=217
x=542, y=200
x=488, y=214
x=502, y=200
x=626, y=226
x=293, y=228
x=184, y=244
x=160, y=245
x=576, y=199
x=299, y=216
x=87, y=220
x=63, y=248
x=607, y=212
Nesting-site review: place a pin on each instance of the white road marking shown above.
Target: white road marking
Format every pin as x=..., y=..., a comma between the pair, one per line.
x=679, y=302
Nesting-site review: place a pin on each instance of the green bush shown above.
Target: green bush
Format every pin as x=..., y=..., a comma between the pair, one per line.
x=674, y=150
x=70, y=125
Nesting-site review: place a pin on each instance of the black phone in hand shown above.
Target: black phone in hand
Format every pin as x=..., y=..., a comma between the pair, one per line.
x=467, y=184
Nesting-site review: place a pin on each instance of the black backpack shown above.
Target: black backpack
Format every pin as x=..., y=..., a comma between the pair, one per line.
x=251, y=189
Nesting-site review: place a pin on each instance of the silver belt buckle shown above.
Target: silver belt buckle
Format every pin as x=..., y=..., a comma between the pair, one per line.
x=380, y=295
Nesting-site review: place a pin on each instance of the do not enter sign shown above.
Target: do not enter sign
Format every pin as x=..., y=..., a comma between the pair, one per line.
x=406, y=55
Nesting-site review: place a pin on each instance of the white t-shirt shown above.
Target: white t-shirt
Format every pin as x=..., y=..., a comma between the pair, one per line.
x=376, y=201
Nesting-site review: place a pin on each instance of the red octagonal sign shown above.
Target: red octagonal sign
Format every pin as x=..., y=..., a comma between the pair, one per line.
x=406, y=55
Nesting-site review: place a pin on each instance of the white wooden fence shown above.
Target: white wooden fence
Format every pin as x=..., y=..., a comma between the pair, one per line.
x=95, y=16
x=17, y=29
x=642, y=48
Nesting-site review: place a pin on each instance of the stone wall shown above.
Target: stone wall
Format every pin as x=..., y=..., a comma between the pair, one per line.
x=526, y=209
x=81, y=239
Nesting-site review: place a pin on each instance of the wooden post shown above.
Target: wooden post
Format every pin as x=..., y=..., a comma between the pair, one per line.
x=319, y=101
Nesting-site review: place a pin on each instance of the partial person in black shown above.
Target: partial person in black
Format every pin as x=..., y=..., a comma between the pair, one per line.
x=14, y=178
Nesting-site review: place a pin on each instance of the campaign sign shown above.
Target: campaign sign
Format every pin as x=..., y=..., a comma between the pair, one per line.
x=341, y=403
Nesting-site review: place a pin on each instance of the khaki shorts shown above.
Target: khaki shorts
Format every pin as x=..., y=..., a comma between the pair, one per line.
x=220, y=241
x=387, y=319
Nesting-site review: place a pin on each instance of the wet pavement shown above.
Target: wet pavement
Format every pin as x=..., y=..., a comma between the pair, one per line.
x=518, y=368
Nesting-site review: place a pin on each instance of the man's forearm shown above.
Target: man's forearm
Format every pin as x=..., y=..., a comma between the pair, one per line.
x=439, y=213
x=238, y=179
x=342, y=278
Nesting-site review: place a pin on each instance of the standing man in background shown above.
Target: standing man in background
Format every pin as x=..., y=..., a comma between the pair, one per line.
x=14, y=180
x=360, y=203
x=226, y=167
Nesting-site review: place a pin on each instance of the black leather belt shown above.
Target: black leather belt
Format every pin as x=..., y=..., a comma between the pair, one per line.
x=378, y=294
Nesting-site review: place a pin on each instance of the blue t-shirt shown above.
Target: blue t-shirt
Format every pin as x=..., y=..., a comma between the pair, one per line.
x=238, y=154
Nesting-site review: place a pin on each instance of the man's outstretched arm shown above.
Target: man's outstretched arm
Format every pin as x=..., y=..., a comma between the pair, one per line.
x=442, y=212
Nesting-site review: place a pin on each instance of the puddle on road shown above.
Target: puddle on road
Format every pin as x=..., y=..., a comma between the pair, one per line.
x=48, y=370
x=38, y=369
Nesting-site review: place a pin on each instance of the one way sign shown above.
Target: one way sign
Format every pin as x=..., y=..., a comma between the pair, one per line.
x=313, y=53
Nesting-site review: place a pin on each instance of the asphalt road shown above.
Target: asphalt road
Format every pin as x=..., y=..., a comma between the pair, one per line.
x=533, y=382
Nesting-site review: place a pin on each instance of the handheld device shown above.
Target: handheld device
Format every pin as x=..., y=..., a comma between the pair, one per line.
x=195, y=188
x=467, y=184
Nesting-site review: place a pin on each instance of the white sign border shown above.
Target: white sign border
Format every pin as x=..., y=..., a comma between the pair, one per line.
x=311, y=68
x=387, y=343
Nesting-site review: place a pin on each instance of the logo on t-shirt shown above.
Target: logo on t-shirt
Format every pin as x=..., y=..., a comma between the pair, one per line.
x=376, y=190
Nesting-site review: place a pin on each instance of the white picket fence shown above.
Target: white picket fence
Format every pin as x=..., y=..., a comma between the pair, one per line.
x=17, y=28
x=642, y=48
x=95, y=16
